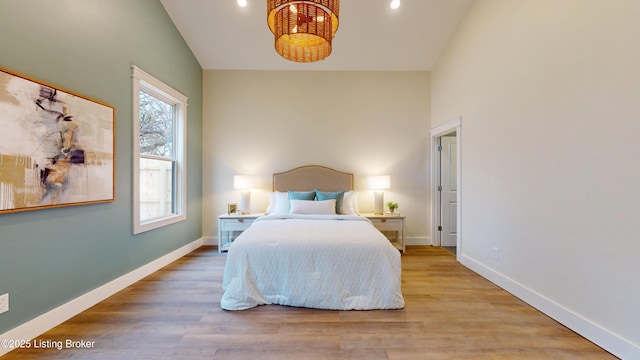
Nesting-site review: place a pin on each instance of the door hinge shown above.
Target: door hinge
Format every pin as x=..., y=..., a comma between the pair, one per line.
x=439, y=227
x=440, y=148
x=439, y=187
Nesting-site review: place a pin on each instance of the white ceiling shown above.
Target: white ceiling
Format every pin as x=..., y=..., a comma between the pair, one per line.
x=371, y=36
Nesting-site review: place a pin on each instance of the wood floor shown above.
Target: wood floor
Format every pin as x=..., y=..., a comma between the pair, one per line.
x=450, y=313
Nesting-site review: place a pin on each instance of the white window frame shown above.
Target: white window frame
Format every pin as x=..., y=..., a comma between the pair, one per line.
x=142, y=81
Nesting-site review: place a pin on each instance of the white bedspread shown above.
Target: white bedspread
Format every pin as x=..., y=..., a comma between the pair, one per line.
x=327, y=262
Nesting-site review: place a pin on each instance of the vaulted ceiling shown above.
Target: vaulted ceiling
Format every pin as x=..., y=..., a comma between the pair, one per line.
x=371, y=36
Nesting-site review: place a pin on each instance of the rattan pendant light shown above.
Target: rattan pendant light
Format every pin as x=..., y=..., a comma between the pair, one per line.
x=303, y=29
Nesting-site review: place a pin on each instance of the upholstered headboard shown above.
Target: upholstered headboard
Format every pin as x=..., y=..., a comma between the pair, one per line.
x=312, y=177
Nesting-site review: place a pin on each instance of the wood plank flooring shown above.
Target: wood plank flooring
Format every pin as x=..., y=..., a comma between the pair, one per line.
x=450, y=313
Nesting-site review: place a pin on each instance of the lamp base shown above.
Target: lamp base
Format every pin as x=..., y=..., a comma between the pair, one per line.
x=245, y=202
x=378, y=203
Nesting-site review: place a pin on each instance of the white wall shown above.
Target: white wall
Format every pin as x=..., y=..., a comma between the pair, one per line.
x=368, y=123
x=549, y=94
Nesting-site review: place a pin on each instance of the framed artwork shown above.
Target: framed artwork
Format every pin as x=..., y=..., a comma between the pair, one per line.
x=56, y=147
x=232, y=209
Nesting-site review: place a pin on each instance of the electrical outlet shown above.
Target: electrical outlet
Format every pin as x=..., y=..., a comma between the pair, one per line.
x=496, y=253
x=4, y=303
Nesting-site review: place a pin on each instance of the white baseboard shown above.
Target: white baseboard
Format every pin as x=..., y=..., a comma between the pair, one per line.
x=595, y=333
x=210, y=241
x=64, y=312
x=417, y=240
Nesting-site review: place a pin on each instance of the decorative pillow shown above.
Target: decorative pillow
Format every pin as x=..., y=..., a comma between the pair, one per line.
x=278, y=203
x=336, y=195
x=310, y=207
x=350, y=203
x=302, y=195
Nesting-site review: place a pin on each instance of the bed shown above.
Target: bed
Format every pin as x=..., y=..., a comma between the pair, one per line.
x=314, y=253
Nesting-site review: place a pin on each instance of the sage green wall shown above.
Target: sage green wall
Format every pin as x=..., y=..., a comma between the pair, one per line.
x=48, y=257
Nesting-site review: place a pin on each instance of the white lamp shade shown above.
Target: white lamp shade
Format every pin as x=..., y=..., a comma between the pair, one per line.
x=379, y=182
x=243, y=182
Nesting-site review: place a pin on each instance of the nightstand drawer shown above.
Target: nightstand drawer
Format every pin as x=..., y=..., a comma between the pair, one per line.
x=387, y=224
x=231, y=226
x=235, y=224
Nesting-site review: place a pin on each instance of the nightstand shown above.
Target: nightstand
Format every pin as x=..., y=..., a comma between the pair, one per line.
x=230, y=226
x=390, y=223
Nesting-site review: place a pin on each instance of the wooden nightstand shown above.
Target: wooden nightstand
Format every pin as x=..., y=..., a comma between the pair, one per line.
x=390, y=222
x=230, y=226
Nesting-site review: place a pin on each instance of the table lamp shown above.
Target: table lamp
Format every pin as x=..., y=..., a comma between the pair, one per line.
x=245, y=184
x=379, y=183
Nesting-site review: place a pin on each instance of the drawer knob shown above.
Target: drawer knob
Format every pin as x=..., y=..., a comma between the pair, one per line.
x=383, y=220
x=240, y=220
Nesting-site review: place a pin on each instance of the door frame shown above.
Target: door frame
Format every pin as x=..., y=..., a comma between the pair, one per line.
x=453, y=125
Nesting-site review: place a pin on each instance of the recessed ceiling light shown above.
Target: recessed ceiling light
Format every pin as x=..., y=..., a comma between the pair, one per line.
x=394, y=4
x=242, y=3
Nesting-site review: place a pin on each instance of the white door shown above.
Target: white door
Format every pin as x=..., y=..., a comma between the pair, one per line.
x=449, y=179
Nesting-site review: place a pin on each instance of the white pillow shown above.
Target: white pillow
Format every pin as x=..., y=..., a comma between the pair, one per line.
x=350, y=203
x=278, y=203
x=311, y=207
x=354, y=203
x=272, y=203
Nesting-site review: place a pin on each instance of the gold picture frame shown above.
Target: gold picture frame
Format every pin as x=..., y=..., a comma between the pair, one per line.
x=232, y=209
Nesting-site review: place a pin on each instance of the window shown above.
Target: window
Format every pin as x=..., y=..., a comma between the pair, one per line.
x=159, y=153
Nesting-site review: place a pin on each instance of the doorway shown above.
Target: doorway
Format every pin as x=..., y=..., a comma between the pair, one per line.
x=445, y=176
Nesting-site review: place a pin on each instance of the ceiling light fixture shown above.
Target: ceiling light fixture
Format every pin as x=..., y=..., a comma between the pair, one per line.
x=303, y=29
x=394, y=4
x=242, y=3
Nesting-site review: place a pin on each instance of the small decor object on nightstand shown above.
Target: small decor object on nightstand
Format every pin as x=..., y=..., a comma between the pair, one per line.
x=392, y=206
x=232, y=209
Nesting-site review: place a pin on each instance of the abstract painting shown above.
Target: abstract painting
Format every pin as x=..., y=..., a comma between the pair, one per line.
x=56, y=147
